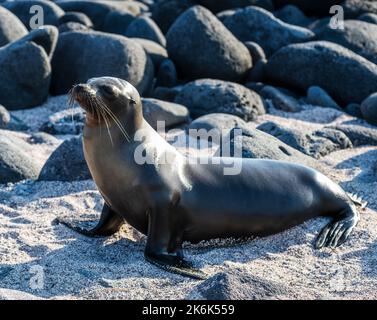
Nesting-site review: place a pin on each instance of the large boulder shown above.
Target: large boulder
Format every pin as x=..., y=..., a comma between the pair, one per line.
x=16, y=163
x=257, y=144
x=105, y=15
x=77, y=17
x=145, y=28
x=360, y=135
x=11, y=28
x=292, y=15
x=21, y=8
x=80, y=56
x=66, y=163
x=259, y=25
x=156, y=52
x=346, y=76
x=315, y=144
x=206, y=96
x=25, y=69
x=358, y=36
x=355, y=8
x=201, y=47
x=369, y=109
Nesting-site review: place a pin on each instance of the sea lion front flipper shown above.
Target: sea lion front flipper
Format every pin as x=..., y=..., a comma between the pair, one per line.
x=165, y=250
x=109, y=223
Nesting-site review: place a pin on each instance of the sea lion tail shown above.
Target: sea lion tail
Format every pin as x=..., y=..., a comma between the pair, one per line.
x=357, y=200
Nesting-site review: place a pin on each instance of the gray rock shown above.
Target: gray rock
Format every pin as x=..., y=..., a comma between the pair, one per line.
x=201, y=47
x=4, y=117
x=217, y=6
x=66, y=163
x=156, y=52
x=206, y=96
x=346, y=76
x=319, y=97
x=353, y=109
x=69, y=121
x=26, y=70
x=240, y=285
x=167, y=74
x=15, y=161
x=355, y=8
x=171, y=113
x=145, y=28
x=315, y=144
x=258, y=72
x=21, y=8
x=165, y=12
x=87, y=55
x=256, y=51
x=258, y=25
x=11, y=28
x=260, y=145
x=280, y=100
x=318, y=25
x=225, y=14
x=78, y=17
x=105, y=16
x=358, y=36
x=369, y=109
x=221, y=122
x=368, y=17
x=358, y=134
x=72, y=26
x=292, y=15
x=43, y=138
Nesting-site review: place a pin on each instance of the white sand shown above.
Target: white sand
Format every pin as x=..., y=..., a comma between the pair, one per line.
x=72, y=266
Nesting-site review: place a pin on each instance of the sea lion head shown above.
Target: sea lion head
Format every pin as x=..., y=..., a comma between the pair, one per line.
x=107, y=97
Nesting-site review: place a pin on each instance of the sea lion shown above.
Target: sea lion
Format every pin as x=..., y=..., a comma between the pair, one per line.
x=175, y=200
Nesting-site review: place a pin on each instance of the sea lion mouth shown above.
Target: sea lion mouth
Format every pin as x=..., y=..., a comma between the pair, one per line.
x=81, y=93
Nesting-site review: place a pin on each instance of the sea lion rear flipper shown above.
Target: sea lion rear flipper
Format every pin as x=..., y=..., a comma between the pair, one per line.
x=109, y=223
x=338, y=230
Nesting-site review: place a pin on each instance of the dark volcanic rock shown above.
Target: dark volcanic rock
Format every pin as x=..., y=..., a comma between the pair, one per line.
x=319, y=97
x=78, y=17
x=368, y=17
x=15, y=162
x=292, y=15
x=167, y=74
x=346, y=76
x=257, y=144
x=80, y=56
x=11, y=28
x=66, y=163
x=240, y=285
x=21, y=8
x=206, y=96
x=165, y=12
x=217, y=6
x=310, y=7
x=145, y=28
x=369, y=109
x=105, y=16
x=315, y=144
x=156, y=52
x=355, y=8
x=280, y=100
x=353, y=109
x=201, y=47
x=25, y=69
x=358, y=36
x=358, y=134
x=171, y=113
x=69, y=121
x=258, y=25
x=256, y=51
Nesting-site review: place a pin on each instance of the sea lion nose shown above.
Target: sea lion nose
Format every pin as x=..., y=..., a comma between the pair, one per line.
x=79, y=88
